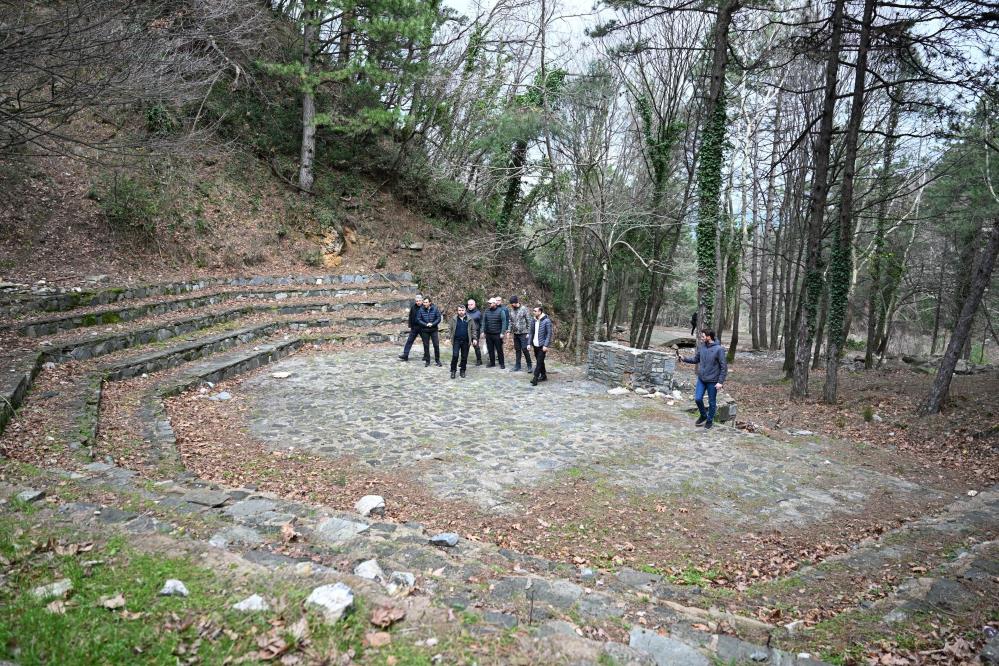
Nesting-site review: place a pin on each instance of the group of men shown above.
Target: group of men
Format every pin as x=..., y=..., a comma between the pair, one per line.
x=530, y=330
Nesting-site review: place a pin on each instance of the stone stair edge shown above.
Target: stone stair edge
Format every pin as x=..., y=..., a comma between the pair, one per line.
x=73, y=320
x=62, y=300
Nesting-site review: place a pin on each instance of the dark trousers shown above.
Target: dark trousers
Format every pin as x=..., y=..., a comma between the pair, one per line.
x=459, y=347
x=540, y=371
x=521, y=344
x=478, y=353
x=427, y=336
x=711, y=389
x=409, y=341
x=494, y=344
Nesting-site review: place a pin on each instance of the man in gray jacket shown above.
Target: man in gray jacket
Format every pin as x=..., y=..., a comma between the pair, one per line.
x=712, y=370
x=520, y=330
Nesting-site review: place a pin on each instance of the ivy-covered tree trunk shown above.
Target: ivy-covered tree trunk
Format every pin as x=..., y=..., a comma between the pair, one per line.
x=981, y=276
x=709, y=168
x=841, y=265
x=812, y=283
x=505, y=226
x=306, y=177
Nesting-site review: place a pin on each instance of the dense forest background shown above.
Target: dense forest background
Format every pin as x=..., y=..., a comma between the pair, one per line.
x=812, y=177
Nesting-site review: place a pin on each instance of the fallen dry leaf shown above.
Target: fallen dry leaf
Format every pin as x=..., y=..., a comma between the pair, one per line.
x=113, y=603
x=377, y=639
x=57, y=607
x=385, y=616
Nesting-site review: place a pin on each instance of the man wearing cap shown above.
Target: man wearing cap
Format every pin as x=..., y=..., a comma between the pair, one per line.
x=520, y=331
x=414, y=328
x=494, y=326
x=475, y=315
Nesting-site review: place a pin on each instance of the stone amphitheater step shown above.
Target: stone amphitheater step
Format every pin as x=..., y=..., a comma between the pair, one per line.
x=70, y=299
x=89, y=317
x=83, y=348
x=473, y=577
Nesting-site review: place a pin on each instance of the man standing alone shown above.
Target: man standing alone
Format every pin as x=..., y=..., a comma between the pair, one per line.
x=541, y=338
x=414, y=328
x=475, y=315
x=711, y=372
x=520, y=331
x=494, y=325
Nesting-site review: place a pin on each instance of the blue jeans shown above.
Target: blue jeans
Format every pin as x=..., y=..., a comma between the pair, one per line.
x=712, y=399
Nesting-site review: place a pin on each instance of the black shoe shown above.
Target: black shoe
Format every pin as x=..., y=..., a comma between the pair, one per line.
x=491, y=365
x=544, y=378
x=708, y=425
x=529, y=368
x=534, y=382
x=438, y=364
x=403, y=357
x=452, y=375
x=426, y=364
x=462, y=374
x=478, y=363
x=502, y=367
x=701, y=421
x=516, y=368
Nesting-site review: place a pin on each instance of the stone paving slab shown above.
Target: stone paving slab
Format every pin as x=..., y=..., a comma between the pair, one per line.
x=478, y=438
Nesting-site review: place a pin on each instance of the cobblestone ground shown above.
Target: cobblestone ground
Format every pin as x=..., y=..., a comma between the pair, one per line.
x=481, y=437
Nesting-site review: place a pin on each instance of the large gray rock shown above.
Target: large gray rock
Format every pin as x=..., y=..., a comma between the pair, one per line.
x=250, y=507
x=332, y=600
x=337, y=530
x=990, y=653
x=251, y=604
x=665, y=651
x=236, y=534
x=370, y=570
x=205, y=497
x=31, y=496
x=446, y=539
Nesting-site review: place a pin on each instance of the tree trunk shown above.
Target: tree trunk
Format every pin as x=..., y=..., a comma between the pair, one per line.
x=841, y=265
x=306, y=177
x=981, y=277
x=601, y=302
x=812, y=283
x=709, y=167
x=936, y=312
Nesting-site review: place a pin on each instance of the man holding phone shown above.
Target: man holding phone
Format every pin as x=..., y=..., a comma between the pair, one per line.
x=712, y=369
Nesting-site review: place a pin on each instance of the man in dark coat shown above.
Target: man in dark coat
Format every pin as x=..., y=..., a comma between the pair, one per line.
x=464, y=329
x=494, y=326
x=541, y=339
x=520, y=331
x=429, y=318
x=414, y=329
x=475, y=315
x=712, y=369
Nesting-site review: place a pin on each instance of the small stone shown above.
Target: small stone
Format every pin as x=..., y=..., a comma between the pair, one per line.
x=332, y=600
x=59, y=589
x=174, y=588
x=448, y=539
x=641, y=391
x=280, y=296
x=48, y=365
x=371, y=505
x=971, y=493
x=221, y=395
x=369, y=569
x=400, y=584
x=280, y=375
x=252, y=603
x=620, y=390
x=759, y=656
x=31, y=496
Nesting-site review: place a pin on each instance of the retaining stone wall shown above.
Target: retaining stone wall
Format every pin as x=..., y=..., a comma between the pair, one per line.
x=613, y=363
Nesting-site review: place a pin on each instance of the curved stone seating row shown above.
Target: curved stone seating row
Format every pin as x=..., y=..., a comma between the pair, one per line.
x=50, y=326
x=69, y=299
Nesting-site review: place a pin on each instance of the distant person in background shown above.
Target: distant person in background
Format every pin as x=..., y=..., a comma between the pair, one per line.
x=464, y=329
x=429, y=318
x=541, y=339
x=693, y=323
x=414, y=328
x=494, y=327
x=712, y=369
x=520, y=331
x=476, y=315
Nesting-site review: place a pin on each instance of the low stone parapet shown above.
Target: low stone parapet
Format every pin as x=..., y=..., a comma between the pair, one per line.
x=613, y=363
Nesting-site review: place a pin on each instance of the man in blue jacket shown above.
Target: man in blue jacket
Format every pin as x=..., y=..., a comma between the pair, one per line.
x=541, y=339
x=711, y=372
x=429, y=318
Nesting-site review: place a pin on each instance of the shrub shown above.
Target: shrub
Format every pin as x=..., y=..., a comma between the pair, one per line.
x=129, y=206
x=868, y=413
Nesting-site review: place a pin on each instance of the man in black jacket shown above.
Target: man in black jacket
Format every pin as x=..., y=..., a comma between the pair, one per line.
x=494, y=326
x=463, y=330
x=414, y=328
